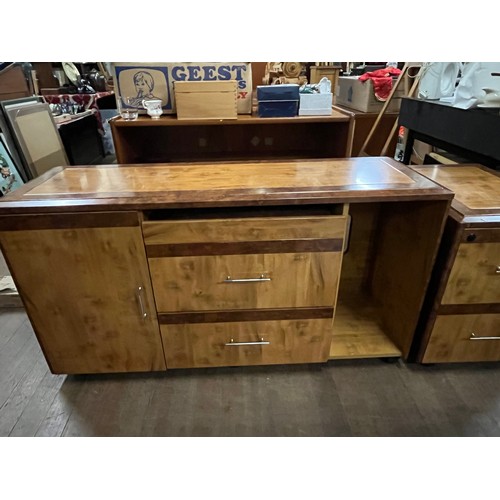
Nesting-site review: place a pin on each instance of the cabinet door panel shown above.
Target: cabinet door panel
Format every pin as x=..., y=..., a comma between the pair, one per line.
x=86, y=292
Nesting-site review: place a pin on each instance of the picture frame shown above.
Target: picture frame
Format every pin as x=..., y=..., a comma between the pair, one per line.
x=10, y=179
x=10, y=139
x=38, y=137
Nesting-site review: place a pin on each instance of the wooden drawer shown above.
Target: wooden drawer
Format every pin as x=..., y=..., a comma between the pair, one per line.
x=254, y=281
x=475, y=276
x=243, y=229
x=464, y=337
x=205, y=344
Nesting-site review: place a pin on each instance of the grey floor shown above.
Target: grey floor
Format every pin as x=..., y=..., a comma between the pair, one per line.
x=342, y=398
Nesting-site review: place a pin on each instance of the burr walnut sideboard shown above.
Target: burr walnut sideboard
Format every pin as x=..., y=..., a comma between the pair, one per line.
x=150, y=267
x=461, y=317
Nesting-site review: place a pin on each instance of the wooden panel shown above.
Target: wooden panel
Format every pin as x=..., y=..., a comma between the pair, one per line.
x=304, y=174
x=337, y=116
x=358, y=334
x=69, y=221
x=245, y=315
x=482, y=235
x=206, y=100
x=473, y=187
x=197, y=283
x=13, y=83
x=476, y=308
x=475, y=276
x=80, y=289
x=450, y=339
x=203, y=345
x=408, y=236
x=247, y=229
x=358, y=259
x=245, y=247
x=215, y=184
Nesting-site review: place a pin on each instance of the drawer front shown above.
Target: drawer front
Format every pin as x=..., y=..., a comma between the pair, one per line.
x=475, y=276
x=465, y=337
x=203, y=283
x=246, y=343
x=243, y=229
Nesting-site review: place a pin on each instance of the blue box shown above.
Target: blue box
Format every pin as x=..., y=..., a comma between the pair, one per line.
x=274, y=109
x=277, y=100
x=285, y=92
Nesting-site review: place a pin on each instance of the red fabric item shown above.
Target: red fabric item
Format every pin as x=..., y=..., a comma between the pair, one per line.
x=382, y=81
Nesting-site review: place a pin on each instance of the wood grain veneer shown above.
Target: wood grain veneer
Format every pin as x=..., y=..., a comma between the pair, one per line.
x=464, y=295
x=79, y=288
x=197, y=283
x=245, y=315
x=357, y=332
x=243, y=229
x=142, y=187
x=203, y=345
x=475, y=277
x=450, y=340
x=473, y=186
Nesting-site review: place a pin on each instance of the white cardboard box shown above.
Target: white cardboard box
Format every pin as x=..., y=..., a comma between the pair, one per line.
x=315, y=104
x=355, y=94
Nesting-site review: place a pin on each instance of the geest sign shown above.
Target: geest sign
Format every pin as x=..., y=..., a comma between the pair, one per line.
x=156, y=80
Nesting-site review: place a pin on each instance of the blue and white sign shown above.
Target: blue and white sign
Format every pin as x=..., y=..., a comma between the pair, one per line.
x=138, y=81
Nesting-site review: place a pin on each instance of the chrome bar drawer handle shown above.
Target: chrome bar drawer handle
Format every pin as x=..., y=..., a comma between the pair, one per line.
x=473, y=336
x=259, y=342
x=497, y=270
x=246, y=280
x=140, y=292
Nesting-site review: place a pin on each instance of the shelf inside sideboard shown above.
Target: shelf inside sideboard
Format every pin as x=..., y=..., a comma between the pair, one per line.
x=358, y=334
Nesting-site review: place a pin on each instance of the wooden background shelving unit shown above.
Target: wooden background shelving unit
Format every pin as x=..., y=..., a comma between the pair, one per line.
x=246, y=138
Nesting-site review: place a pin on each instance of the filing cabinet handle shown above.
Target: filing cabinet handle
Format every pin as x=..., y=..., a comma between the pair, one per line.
x=246, y=280
x=259, y=342
x=497, y=270
x=473, y=336
x=140, y=292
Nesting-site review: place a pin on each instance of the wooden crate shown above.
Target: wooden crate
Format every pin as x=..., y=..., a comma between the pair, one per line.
x=331, y=72
x=205, y=100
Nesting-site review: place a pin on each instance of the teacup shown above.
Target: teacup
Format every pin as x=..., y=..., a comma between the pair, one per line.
x=153, y=108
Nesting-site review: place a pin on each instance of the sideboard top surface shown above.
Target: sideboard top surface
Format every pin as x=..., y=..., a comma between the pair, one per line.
x=476, y=188
x=121, y=187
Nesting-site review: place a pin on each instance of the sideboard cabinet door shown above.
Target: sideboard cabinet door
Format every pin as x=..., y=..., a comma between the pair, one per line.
x=88, y=295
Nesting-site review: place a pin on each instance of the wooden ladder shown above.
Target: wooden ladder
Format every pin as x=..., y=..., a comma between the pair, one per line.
x=404, y=78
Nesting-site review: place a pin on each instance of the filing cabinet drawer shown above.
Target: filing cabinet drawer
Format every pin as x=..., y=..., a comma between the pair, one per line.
x=246, y=343
x=243, y=229
x=253, y=281
x=475, y=275
x=464, y=337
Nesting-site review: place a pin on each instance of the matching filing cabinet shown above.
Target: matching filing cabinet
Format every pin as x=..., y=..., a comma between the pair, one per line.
x=461, y=321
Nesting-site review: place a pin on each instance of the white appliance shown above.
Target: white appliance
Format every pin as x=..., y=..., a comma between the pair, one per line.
x=438, y=80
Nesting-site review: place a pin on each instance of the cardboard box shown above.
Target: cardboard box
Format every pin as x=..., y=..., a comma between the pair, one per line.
x=354, y=94
x=315, y=104
x=157, y=80
x=206, y=100
x=277, y=100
